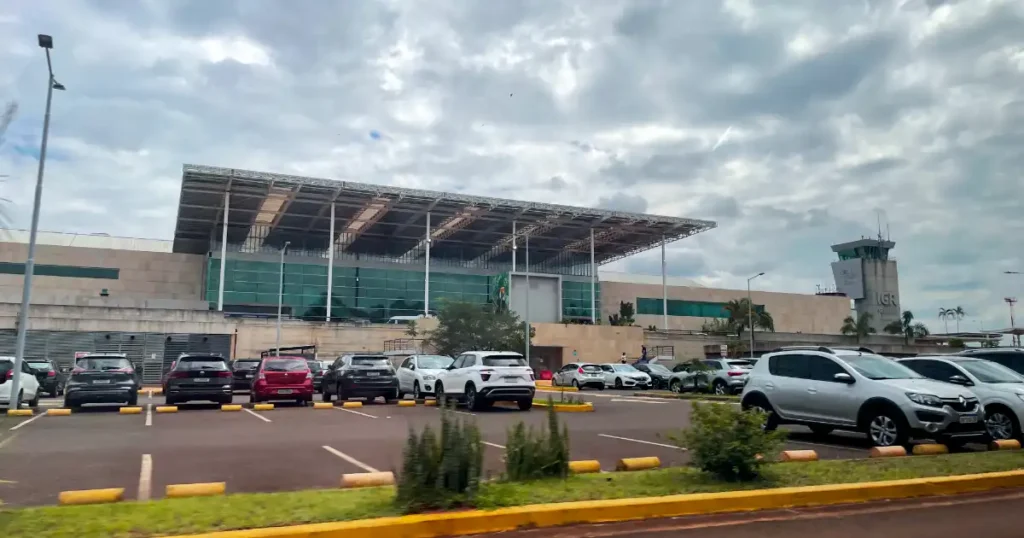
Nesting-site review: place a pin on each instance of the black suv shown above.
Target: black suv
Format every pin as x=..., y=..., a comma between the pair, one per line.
x=360, y=376
x=199, y=377
x=243, y=372
x=102, y=378
x=1010, y=357
x=51, y=379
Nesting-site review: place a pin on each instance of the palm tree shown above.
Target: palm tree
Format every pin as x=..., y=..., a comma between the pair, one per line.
x=859, y=327
x=907, y=327
x=944, y=315
x=958, y=314
x=739, y=313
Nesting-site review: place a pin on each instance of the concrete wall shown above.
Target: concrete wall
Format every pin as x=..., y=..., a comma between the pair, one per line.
x=175, y=279
x=592, y=343
x=792, y=312
x=881, y=293
x=255, y=335
x=132, y=320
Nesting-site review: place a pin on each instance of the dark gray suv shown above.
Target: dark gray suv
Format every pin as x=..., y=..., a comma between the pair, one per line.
x=199, y=377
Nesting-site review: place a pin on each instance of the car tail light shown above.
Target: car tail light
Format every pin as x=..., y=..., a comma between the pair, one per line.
x=224, y=373
x=78, y=370
x=309, y=375
x=531, y=376
x=580, y=370
x=178, y=375
x=262, y=376
x=736, y=372
x=122, y=371
x=51, y=373
x=485, y=375
x=10, y=374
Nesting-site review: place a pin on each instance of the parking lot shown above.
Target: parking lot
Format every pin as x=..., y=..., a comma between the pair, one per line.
x=293, y=447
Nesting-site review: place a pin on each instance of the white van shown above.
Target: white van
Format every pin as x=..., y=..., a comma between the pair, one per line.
x=403, y=320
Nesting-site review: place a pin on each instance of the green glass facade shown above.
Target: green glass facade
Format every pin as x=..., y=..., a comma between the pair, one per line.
x=693, y=309
x=70, y=271
x=576, y=299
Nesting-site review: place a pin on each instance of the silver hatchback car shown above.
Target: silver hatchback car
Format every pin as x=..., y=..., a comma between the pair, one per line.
x=858, y=390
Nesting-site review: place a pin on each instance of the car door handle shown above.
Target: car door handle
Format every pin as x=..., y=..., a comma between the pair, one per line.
x=812, y=391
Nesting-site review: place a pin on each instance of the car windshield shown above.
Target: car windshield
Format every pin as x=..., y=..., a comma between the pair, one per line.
x=745, y=365
x=371, y=362
x=285, y=365
x=504, y=360
x=41, y=366
x=434, y=362
x=990, y=372
x=878, y=367
x=315, y=366
x=593, y=368
x=624, y=368
x=659, y=369
x=103, y=364
x=204, y=363
x=245, y=365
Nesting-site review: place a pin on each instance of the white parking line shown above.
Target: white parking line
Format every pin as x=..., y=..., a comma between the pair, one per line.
x=360, y=413
x=257, y=415
x=641, y=441
x=495, y=445
x=146, y=478
x=149, y=414
x=27, y=422
x=351, y=460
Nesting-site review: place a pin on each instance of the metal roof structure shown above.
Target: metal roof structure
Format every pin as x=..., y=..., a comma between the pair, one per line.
x=266, y=210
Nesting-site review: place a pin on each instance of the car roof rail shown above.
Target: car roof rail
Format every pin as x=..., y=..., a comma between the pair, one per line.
x=861, y=349
x=822, y=349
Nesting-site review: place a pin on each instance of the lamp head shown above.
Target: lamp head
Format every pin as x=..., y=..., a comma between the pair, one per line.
x=45, y=41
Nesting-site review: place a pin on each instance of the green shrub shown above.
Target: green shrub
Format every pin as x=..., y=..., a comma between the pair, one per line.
x=530, y=455
x=568, y=398
x=726, y=441
x=440, y=473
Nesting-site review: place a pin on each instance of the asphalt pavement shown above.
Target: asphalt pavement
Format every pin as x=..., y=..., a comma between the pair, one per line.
x=291, y=447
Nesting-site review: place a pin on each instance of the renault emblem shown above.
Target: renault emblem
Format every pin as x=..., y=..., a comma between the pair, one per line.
x=963, y=401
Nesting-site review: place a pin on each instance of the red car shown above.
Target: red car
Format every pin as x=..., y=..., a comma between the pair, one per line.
x=282, y=378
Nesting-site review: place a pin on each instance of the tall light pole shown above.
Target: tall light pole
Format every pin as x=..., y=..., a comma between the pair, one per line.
x=1014, y=339
x=280, y=296
x=750, y=313
x=46, y=42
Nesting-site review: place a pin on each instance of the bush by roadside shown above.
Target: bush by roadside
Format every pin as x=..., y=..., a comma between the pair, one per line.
x=729, y=442
x=443, y=471
x=530, y=455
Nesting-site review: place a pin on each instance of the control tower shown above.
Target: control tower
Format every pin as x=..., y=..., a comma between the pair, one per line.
x=865, y=274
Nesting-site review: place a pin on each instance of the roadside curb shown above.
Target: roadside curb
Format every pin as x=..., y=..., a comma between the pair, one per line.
x=58, y=412
x=91, y=496
x=367, y=480
x=263, y=407
x=567, y=408
x=203, y=489
x=130, y=410
x=555, y=389
x=583, y=512
x=19, y=412
x=1007, y=444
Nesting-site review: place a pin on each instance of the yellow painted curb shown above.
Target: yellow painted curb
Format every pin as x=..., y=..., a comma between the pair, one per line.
x=930, y=449
x=585, y=466
x=91, y=496
x=231, y=407
x=130, y=410
x=154, y=390
x=638, y=464
x=208, y=489
x=19, y=412
x=581, y=512
x=367, y=480
x=58, y=412
x=1005, y=444
x=352, y=405
x=887, y=451
x=323, y=405
x=543, y=382
x=557, y=389
x=430, y=403
x=567, y=408
x=799, y=455
x=166, y=409
x=263, y=407
x=406, y=403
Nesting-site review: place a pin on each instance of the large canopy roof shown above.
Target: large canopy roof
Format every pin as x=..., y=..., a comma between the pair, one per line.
x=266, y=210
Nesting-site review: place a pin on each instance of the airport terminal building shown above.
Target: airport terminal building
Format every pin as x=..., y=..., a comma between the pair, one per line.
x=347, y=257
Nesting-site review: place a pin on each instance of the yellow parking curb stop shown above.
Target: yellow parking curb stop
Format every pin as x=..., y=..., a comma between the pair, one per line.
x=209, y=489
x=367, y=480
x=406, y=403
x=930, y=449
x=887, y=452
x=130, y=410
x=19, y=412
x=1005, y=444
x=352, y=405
x=799, y=455
x=263, y=407
x=91, y=496
x=638, y=464
x=430, y=403
x=60, y=412
x=231, y=407
x=585, y=466
x=323, y=405
x=166, y=409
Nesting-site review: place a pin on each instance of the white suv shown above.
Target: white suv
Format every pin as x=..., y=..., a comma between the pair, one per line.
x=858, y=390
x=29, y=385
x=480, y=378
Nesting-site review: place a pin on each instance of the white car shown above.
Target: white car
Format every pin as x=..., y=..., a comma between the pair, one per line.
x=29, y=385
x=480, y=378
x=418, y=374
x=624, y=376
x=1000, y=389
x=580, y=375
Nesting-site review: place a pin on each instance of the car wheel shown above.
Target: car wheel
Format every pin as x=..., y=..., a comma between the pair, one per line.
x=525, y=404
x=720, y=388
x=600, y=387
x=1002, y=424
x=34, y=402
x=760, y=404
x=886, y=428
x=618, y=383
x=133, y=399
x=821, y=431
x=416, y=395
x=472, y=399
x=340, y=393
x=253, y=399
x=575, y=384
x=439, y=395
x=676, y=386
x=301, y=402
x=324, y=395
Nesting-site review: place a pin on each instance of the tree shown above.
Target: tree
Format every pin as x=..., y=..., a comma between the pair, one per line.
x=859, y=327
x=958, y=314
x=717, y=326
x=465, y=326
x=907, y=327
x=412, y=330
x=739, y=312
x=945, y=314
x=625, y=317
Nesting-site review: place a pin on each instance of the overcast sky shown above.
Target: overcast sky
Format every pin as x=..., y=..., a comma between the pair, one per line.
x=791, y=125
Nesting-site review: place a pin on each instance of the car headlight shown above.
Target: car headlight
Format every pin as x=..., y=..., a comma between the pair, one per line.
x=429, y=378
x=925, y=399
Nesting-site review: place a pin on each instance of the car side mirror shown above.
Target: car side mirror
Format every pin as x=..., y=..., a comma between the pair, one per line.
x=844, y=378
x=412, y=366
x=960, y=380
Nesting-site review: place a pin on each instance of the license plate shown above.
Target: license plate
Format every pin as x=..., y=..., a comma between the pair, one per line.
x=511, y=379
x=201, y=380
x=973, y=419
x=248, y=376
x=101, y=382
x=284, y=391
x=372, y=374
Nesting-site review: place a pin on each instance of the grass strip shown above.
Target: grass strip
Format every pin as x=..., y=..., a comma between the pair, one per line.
x=239, y=511
x=689, y=396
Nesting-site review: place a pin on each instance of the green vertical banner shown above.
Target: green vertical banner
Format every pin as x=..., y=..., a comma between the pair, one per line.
x=499, y=294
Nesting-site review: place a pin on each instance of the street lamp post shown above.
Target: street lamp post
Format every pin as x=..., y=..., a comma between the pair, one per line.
x=280, y=296
x=46, y=42
x=750, y=313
